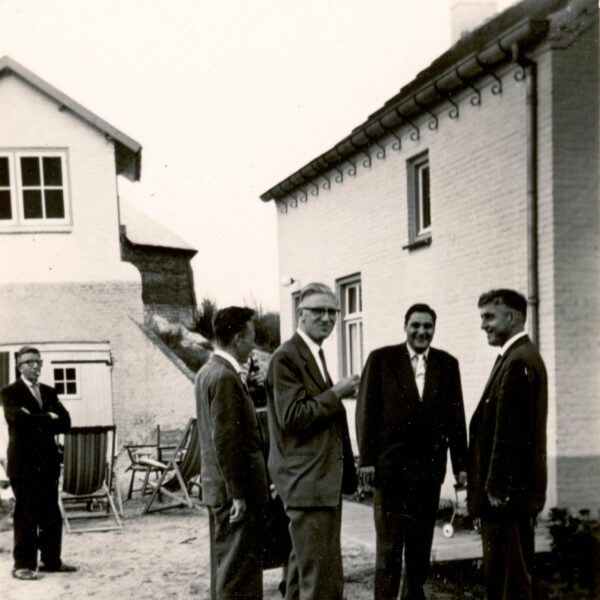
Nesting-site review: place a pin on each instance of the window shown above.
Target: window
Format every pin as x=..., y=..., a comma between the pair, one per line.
x=419, y=201
x=33, y=188
x=66, y=381
x=352, y=326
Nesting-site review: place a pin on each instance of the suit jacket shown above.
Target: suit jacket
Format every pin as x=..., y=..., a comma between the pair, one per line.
x=32, y=449
x=310, y=458
x=233, y=465
x=507, y=434
x=402, y=435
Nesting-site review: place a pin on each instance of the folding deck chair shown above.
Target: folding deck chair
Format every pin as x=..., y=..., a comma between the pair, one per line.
x=178, y=475
x=88, y=478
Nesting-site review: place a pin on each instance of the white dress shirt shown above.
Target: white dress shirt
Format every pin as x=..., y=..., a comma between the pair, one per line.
x=314, y=350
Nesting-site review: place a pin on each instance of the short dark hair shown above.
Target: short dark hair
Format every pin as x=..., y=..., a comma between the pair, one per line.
x=230, y=321
x=315, y=288
x=425, y=308
x=26, y=350
x=510, y=298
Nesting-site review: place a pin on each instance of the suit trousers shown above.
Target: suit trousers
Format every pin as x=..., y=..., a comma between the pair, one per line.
x=508, y=557
x=235, y=554
x=315, y=570
x=404, y=522
x=37, y=522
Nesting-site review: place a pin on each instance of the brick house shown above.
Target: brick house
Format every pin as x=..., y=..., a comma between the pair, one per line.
x=481, y=172
x=65, y=285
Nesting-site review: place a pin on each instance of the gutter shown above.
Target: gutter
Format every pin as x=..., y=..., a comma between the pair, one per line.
x=530, y=74
x=409, y=104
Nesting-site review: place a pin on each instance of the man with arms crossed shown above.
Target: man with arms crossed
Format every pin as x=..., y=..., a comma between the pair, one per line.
x=35, y=416
x=507, y=449
x=310, y=458
x=409, y=412
x=234, y=476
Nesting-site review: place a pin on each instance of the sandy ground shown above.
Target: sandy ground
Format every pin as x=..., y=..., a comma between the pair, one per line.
x=157, y=556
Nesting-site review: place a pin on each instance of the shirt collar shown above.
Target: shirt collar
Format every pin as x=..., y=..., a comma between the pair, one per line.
x=511, y=341
x=412, y=353
x=28, y=383
x=230, y=359
x=312, y=345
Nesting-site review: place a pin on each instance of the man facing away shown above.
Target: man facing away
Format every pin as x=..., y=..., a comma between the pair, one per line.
x=507, y=449
x=234, y=480
x=34, y=415
x=310, y=457
x=409, y=412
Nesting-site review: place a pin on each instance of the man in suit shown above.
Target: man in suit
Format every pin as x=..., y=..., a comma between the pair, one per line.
x=234, y=476
x=35, y=416
x=310, y=458
x=507, y=449
x=409, y=412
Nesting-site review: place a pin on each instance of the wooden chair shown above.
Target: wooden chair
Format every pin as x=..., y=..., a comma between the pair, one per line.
x=178, y=475
x=160, y=450
x=88, y=478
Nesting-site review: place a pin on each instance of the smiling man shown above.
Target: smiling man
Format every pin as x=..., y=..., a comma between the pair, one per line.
x=310, y=457
x=409, y=412
x=507, y=449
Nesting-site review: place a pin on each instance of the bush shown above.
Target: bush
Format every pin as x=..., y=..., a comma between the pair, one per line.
x=204, y=318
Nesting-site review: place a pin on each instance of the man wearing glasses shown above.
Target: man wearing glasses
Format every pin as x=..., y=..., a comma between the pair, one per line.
x=35, y=416
x=310, y=459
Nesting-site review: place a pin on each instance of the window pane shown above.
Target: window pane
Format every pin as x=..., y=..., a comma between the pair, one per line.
x=32, y=204
x=60, y=388
x=354, y=348
x=352, y=300
x=55, y=206
x=4, y=174
x=52, y=170
x=58, y=375
x=5, y=208
x=70, y=375
x=30, y=170
x=71, y=388
x=426, y=220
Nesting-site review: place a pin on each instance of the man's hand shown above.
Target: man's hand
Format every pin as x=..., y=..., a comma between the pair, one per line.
x=238, y=510
x=497, y=502
x=256, y=378
x=346, y=387
x=366, y=475
x=461, y=480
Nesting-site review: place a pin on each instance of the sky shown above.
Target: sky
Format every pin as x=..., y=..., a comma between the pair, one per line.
x=227, y=98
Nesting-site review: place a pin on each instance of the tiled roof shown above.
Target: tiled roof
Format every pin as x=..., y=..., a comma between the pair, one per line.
x=140, y=229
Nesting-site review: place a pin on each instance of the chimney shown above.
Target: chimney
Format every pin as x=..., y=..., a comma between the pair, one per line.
x=467, y=15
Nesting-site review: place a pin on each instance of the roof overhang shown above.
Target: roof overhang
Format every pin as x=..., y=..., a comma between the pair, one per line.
x=128, y=152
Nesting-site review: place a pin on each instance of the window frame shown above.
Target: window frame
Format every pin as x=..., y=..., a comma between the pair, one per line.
x=17, y=188
x=419, y=233
x=348, y=320
x=64, y=367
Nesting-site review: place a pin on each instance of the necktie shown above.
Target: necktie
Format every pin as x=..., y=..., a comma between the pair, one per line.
x=324, y=365
x=35, y=388
x=420, y=373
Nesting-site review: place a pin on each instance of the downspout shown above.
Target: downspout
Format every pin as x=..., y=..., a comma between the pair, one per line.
x=530, y=74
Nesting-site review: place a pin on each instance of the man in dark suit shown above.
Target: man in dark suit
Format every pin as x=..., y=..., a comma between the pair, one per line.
x=409, y=412
x=507, y=449
x=234, y=475
x=35, y=416
x=310, y=458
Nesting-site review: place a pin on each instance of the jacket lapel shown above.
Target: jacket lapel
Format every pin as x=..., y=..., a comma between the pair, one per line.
x=310, y=362
x=405, y=374
x=432, y=377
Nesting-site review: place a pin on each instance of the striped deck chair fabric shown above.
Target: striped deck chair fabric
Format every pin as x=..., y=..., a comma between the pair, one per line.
x=88, y=477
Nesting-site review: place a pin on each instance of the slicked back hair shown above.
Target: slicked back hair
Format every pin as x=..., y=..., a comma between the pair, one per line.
x=230, y=321
x=26, y=350
x=510, y=298
x=424, y=308
x=315, y=288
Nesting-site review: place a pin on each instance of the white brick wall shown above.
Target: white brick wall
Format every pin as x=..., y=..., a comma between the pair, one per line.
x=479, y=230
x=90, y=250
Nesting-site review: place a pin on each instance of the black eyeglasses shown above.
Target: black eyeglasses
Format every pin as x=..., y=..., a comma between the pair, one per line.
x=33, y=361
x=321, y=311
